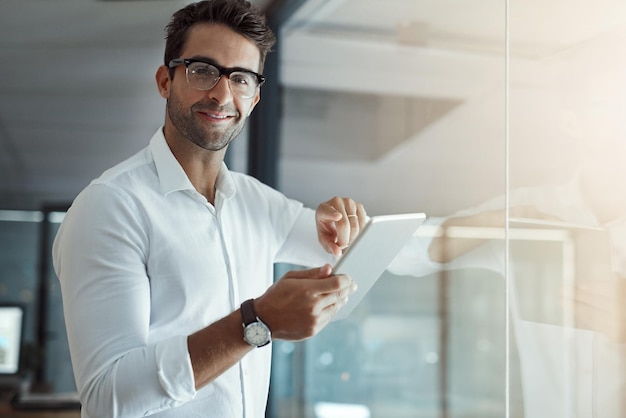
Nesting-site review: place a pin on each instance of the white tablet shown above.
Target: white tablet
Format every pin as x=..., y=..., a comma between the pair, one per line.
x=372, y=251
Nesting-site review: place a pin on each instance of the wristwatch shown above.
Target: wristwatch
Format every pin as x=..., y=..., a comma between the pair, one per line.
x=255, y=332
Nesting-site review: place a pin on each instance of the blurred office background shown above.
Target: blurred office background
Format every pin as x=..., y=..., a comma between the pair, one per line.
x=406, y=105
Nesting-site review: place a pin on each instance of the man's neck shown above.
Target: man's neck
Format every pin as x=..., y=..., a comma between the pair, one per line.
x=203, y=175
x=201, y=166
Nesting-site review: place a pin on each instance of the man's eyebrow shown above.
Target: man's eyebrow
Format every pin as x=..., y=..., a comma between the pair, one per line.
x=210, y=60
x=205, y=59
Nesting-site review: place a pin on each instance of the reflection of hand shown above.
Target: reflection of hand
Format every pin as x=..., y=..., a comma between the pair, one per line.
x=339, y=221
x=302, y=302
x=530, y=212
x=444, y=249
x=600, y=305
x=497, y=218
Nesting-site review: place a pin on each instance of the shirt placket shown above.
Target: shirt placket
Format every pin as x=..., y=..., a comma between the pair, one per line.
x=222, y=224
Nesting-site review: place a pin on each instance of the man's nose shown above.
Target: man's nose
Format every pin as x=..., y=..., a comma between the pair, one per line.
x=221, y=92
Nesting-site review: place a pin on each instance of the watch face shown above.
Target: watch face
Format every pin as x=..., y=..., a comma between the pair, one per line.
x=257, y=334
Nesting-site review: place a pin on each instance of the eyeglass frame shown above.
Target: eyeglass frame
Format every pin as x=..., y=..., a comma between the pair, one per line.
x=227, y=71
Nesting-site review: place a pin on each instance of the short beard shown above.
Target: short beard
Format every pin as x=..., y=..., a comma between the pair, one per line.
x=185, y=122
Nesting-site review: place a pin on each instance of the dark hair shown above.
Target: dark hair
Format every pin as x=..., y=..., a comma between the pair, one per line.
x=238, y=15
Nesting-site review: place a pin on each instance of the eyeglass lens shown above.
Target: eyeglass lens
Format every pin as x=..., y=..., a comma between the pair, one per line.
x=203, y=76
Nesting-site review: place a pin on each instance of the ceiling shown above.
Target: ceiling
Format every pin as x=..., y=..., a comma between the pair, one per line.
x=77, y=92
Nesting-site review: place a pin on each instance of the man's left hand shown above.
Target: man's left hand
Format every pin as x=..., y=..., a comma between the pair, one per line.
x=339, y=221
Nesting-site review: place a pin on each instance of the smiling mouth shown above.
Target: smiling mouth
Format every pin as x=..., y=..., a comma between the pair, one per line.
x=215, y=116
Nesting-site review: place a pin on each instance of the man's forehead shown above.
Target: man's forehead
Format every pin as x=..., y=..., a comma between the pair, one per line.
x=222, y=45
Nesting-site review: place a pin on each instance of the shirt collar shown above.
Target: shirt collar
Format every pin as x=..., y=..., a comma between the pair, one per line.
x=225, y=184
x=171, y=175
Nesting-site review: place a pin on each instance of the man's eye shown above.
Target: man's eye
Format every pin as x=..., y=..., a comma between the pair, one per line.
x=204, y=71
x=244, y=79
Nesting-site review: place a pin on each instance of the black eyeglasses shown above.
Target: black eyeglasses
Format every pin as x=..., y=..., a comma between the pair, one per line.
x=202, y=75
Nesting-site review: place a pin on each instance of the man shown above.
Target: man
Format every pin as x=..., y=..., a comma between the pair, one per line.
x=157, y=255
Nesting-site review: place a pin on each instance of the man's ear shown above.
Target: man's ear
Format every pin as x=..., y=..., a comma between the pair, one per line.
x=256, y=100
x=163, y=81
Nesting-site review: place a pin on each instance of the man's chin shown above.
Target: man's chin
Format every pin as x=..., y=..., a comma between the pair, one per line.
x=212, y=145
x=216, y=138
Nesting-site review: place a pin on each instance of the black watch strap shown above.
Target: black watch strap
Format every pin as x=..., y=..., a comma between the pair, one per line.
x=248, y=313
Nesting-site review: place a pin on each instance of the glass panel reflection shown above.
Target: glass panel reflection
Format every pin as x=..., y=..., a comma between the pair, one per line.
x=568, y=146
x=401, y=105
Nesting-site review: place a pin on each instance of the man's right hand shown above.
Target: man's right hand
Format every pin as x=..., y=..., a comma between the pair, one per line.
x=302, y=302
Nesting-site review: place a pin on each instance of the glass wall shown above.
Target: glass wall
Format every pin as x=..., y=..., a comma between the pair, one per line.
x=402, y=106
x=567, y=148
x=503, y=122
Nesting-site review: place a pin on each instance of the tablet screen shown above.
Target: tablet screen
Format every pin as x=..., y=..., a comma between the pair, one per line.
x=372, y=251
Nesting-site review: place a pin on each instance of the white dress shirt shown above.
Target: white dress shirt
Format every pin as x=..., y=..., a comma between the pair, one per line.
x=144, y=260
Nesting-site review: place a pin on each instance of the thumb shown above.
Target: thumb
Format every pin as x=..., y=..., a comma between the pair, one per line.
x=314, y=273
x=324, y=271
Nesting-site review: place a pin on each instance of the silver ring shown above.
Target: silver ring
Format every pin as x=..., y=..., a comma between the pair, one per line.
x=353, y=216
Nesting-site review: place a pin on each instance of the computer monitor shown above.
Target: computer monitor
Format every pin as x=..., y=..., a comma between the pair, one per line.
x=11, y=334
